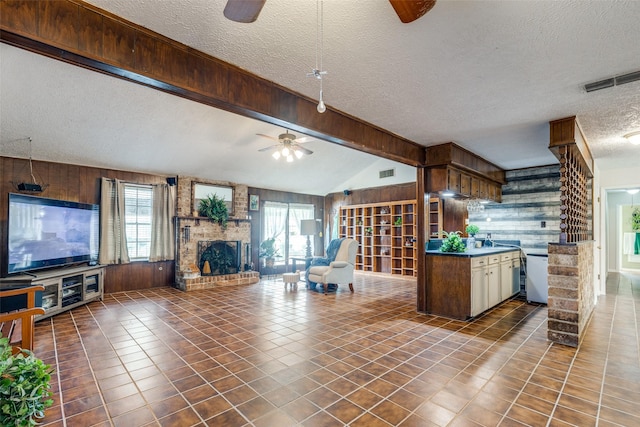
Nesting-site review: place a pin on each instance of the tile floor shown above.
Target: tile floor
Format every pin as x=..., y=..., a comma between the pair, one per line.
x=261, y=355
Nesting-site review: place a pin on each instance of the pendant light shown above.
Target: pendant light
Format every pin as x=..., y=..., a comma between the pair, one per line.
x=317, y=72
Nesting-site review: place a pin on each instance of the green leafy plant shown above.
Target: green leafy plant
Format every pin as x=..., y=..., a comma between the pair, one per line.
x=452, y=242
x=398, y=221
x=24, y=387
x=268, y=248
x=472, y=229
x=221, y=260
x=214, y=208
x=635, y=219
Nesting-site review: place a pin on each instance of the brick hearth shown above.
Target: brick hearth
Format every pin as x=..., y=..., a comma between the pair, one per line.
x=210, y=282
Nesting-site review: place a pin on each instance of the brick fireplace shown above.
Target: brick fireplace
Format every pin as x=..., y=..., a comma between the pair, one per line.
x=195, y=235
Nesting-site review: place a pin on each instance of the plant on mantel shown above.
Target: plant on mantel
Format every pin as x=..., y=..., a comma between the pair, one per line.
x=214, y=208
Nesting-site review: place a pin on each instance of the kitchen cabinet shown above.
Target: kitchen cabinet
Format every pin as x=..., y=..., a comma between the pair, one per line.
x=386, y=235
x=462, y=183
x=465, y=285
x=479, y=286
x=494, y=281
x=450, y=167
x=510, y=268
x=486, y=271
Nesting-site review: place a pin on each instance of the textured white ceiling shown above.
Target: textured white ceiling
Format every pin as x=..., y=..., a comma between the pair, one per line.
x=488, y=75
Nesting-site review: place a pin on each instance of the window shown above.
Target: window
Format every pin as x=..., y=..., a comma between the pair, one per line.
x=282, y=221
x=298, y=242
x=138, y=203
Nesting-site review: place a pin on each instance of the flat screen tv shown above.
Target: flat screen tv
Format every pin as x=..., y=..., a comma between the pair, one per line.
x=44, y=233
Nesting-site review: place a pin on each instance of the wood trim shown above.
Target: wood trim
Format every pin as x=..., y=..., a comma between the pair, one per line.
x=422, y=198
x=450, y=154
x=567, y=131
x=81, y=34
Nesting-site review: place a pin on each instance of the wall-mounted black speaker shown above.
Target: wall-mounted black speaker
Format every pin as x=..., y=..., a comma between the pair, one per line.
x=347, y=192
x=172, y=181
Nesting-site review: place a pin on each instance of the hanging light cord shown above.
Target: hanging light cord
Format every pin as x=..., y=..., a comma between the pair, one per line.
x=30, y=164
x=317, y=72
x=320, y=33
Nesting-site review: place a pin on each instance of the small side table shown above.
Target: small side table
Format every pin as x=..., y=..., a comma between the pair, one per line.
x=291, y=279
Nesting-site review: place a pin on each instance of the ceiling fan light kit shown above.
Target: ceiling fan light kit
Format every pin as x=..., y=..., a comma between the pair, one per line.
x=633, y=137
x=288, y=146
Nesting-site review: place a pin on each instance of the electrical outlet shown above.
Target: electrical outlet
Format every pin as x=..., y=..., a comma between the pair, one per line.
x=543, y=224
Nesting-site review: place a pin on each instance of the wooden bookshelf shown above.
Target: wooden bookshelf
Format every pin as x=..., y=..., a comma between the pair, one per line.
x=386, y=233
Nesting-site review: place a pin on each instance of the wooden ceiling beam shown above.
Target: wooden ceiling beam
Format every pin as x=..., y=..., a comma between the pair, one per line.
x=81, y=34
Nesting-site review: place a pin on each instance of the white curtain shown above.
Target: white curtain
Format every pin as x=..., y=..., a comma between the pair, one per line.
x=113, y=240
x=162, y=238
x=298, y=242
x=275, y=223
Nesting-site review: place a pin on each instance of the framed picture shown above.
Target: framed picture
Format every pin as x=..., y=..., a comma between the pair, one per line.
x=254, y=202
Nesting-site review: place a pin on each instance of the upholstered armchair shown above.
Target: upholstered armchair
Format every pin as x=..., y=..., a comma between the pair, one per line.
x=339, y=270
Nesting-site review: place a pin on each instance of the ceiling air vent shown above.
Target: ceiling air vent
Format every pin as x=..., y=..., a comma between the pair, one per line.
x=387, y=173
x=613, y=81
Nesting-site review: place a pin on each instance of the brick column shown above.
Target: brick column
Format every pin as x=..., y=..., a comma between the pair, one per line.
x=571, y=291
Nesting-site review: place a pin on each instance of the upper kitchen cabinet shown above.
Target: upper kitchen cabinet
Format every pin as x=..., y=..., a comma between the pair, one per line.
x=452, y=168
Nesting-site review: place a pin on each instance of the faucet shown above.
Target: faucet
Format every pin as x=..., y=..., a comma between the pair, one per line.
x=490, y=241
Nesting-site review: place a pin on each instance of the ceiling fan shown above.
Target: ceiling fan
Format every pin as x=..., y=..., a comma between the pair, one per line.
x=288, y=146
x=248, y=10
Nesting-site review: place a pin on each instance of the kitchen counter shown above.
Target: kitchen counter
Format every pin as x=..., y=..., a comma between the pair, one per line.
x=461, y=285
x=475, y=252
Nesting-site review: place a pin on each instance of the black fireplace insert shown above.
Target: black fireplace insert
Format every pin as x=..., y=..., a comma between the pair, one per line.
x=217, y=257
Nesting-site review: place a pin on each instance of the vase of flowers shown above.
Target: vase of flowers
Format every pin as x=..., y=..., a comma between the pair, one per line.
x=471, y=230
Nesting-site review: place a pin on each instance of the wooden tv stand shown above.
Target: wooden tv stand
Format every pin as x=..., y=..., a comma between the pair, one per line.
x=64, y=288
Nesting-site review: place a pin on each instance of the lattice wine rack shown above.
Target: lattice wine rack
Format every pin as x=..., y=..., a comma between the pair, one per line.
x=574, y=196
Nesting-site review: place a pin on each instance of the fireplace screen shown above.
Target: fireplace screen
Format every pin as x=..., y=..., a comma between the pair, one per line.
x=216, y=257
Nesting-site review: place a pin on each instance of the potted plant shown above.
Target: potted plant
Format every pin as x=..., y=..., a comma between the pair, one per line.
x=25, y=388
x=472, y=230
x=635, y=220
x=268, y=251
x=452, y=242
x=214, y=208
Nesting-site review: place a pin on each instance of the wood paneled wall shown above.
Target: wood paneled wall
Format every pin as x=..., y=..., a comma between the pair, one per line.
x=80, y=184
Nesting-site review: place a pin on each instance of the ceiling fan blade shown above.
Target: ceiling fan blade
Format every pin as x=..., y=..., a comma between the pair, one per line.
x=301, y=148
x=409, y=11
x=244, y=11
x=271, y=147
x=268, y=136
